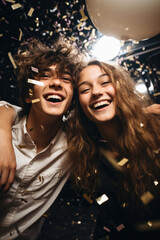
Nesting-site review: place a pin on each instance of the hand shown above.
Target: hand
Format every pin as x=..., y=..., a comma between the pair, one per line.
x=154, y=108
x=7, y=162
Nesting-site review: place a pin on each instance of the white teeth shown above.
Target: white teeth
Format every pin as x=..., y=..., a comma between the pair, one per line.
x=53, y=96
x=100, y=104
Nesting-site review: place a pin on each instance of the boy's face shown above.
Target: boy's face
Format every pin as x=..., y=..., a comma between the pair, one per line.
x=54, y=97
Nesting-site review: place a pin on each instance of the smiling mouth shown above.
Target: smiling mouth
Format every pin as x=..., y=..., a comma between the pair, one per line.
x=100, y=105
x=54, y=98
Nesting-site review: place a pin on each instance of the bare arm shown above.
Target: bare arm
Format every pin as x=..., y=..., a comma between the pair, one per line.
x=154, y=108
x=7, y=155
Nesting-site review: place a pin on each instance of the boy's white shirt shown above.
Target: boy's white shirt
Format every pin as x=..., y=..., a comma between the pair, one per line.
x=39, y=179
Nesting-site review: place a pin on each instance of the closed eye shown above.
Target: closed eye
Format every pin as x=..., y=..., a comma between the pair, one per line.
x=84, y=90
x=105, y=83
x=66, y=79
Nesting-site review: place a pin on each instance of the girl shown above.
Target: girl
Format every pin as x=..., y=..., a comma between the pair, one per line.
x=116, y=138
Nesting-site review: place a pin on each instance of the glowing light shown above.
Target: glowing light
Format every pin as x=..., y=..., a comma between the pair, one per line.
x=107, y=48
x=141, y=87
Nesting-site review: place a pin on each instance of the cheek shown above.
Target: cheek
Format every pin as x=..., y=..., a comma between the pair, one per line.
x=112, y=91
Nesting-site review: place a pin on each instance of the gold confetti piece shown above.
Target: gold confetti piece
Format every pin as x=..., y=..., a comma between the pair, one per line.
x=120, y=227
x=141, y=125
x=149, y=223
x=31, y=10
x=84, y=17
x=156, y=151
x=147, y=197
x=35, y=82
x=20, y=34
x=36, y=100
x=88, y=198
x=30, y=92
x=11, y=1
x=156, y=94
x=16, y=6
x=156, y=182
x=107, y=229
x=103, y=198
x=144, y=226
x=34, y=69
x=1, y=34
x=78, y=178
x=45, y=215
x=22, y=146
x=79, y=222
x=12, y=60
x=42, y=127
x=109, y=157
x=123, y=162
x=125, y=204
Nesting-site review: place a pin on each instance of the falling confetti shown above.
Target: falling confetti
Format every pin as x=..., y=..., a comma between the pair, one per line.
x=35, y=82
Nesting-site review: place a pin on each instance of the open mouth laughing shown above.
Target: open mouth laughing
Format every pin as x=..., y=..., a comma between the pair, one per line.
x=100, y=105
x=54, y=98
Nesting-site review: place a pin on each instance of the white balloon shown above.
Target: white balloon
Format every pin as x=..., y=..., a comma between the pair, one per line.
x=125, y=19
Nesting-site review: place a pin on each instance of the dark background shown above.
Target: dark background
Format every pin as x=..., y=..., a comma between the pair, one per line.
x=72, y=216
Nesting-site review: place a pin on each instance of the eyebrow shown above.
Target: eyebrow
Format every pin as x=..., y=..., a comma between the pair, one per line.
x=85, y=82
x=53, y=71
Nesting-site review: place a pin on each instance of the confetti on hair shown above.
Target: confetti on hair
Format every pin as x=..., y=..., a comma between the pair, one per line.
x=103, y=198
x=16, y=6
x=36, y=100
x=12, y=60
x=35, y=82
x=34, y=69
x=30, y=92
x=42, y=127
x=78, y=178
x=31, y=10
x=120, y=227
x=141, y=124
x=123, y=162
x=147, y=197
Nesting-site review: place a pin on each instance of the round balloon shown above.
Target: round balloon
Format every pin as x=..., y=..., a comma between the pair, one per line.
x=125, y=19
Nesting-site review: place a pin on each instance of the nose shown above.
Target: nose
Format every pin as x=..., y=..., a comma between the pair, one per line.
x=55, y=83
x=96, y=91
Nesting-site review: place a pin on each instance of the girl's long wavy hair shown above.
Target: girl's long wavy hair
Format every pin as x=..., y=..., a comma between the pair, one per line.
x=139, y=138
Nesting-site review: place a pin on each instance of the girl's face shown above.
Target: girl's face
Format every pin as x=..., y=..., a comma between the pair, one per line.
x=96, y=94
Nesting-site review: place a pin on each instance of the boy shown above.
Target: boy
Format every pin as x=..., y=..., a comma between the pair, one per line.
x=43, y=165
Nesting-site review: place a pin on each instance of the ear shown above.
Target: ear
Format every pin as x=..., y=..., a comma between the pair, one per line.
x=28, y=100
